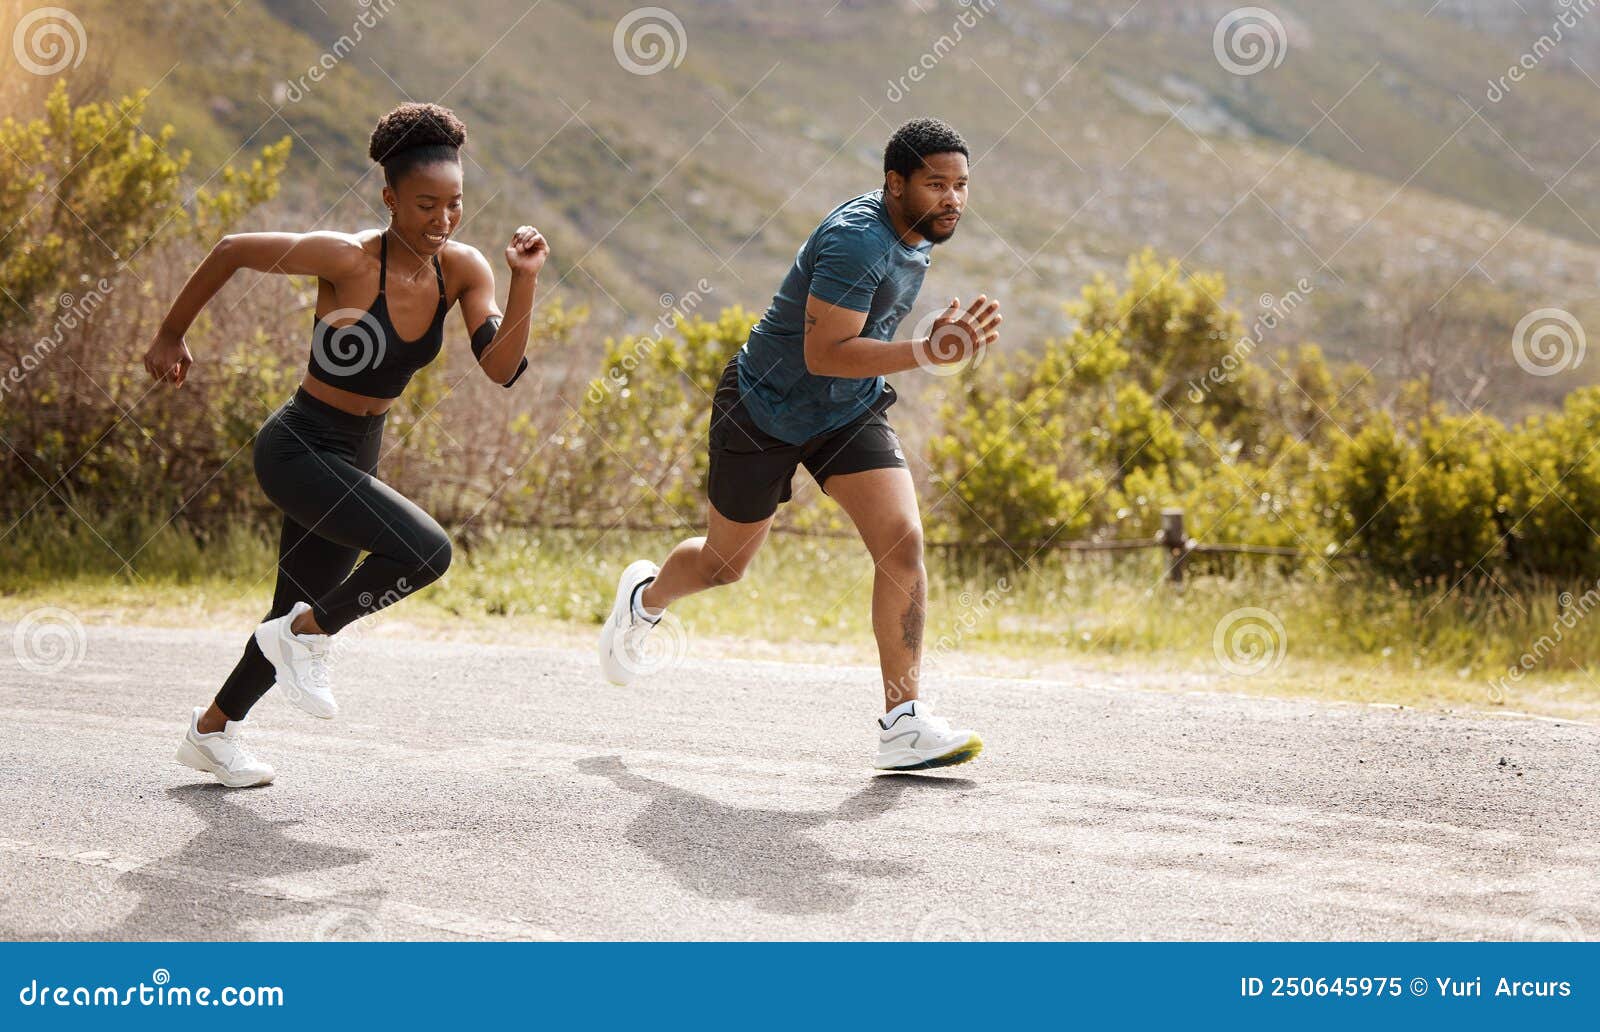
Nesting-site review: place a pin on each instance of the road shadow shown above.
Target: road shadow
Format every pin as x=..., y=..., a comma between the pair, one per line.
x=201, y=892
x=764, y=857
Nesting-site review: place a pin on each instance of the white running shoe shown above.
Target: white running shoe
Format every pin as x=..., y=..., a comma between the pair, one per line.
x=918, y=740
x=302, y=662
x=222, y=754
x=622, y=637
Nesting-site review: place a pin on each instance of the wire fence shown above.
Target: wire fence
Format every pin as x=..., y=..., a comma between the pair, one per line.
x=1172, y=539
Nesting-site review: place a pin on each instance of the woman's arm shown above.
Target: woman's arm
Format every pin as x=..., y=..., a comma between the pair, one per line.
x=500, y=342
x=329, y=256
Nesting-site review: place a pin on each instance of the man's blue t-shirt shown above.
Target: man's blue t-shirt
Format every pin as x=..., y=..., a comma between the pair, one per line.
x=855, y=260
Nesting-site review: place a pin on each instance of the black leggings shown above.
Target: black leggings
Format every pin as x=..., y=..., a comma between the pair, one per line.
x=316, y=464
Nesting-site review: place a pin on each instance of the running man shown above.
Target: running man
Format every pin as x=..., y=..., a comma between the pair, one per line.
x=382, y=298
x=808, y=389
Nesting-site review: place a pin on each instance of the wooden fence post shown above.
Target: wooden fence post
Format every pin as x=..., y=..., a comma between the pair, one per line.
x=1176, y=543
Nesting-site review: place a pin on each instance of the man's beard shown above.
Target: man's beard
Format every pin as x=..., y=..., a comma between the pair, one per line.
x=927, y=227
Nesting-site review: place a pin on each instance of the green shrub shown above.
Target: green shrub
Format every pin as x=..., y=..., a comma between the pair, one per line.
x=637, y=445
x=1149, y=403
x=95, y=204
x=1550, y=506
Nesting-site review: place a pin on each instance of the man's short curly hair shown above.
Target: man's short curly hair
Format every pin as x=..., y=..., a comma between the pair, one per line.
x=413, y=135
x=917, y=139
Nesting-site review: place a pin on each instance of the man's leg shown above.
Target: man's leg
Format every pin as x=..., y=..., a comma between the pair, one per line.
x=882, y=503
x=721, y=557
x=883, y=506
x=644, y=591
x=747, y=478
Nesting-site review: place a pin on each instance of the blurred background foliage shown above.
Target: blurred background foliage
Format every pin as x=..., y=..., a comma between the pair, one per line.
x=1157, y=397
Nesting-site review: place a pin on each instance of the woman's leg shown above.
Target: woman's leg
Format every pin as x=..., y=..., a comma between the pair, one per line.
x=334, y=509
x=308, y=567
x=341, y=502
x=406, y=549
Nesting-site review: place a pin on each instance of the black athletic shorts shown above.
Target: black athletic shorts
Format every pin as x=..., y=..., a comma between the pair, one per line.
x=751, y=469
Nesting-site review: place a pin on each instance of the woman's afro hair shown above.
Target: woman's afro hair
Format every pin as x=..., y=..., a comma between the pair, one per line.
x=413, y=134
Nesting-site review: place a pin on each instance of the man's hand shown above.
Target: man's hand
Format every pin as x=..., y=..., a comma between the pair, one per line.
x=960, y=336
x=168, y=358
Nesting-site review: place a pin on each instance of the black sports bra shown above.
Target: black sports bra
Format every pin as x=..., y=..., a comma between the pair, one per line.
x=367, y=356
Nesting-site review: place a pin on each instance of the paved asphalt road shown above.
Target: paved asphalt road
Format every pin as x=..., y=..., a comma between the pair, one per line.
x=475, y=791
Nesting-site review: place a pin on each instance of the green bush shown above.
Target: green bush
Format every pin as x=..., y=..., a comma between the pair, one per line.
x=1106, y=427
x=95, y=204
x=1094, y=437
x=635, y=449
x=1427, y=500
x=1550, y=476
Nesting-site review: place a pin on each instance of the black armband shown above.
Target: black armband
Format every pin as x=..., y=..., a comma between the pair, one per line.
x=483, y=336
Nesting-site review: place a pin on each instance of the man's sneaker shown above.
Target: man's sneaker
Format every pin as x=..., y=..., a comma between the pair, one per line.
x=222, y=753
x=918, y=740
x=302, y=663
x=622, y=638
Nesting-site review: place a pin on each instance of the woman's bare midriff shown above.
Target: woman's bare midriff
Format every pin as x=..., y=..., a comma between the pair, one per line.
x=345, y=401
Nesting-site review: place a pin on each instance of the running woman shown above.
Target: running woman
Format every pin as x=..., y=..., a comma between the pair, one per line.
x=807, y=389
x=382, y=297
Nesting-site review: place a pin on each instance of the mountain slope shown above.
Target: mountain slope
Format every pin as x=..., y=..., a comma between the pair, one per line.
x=1369, y=161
